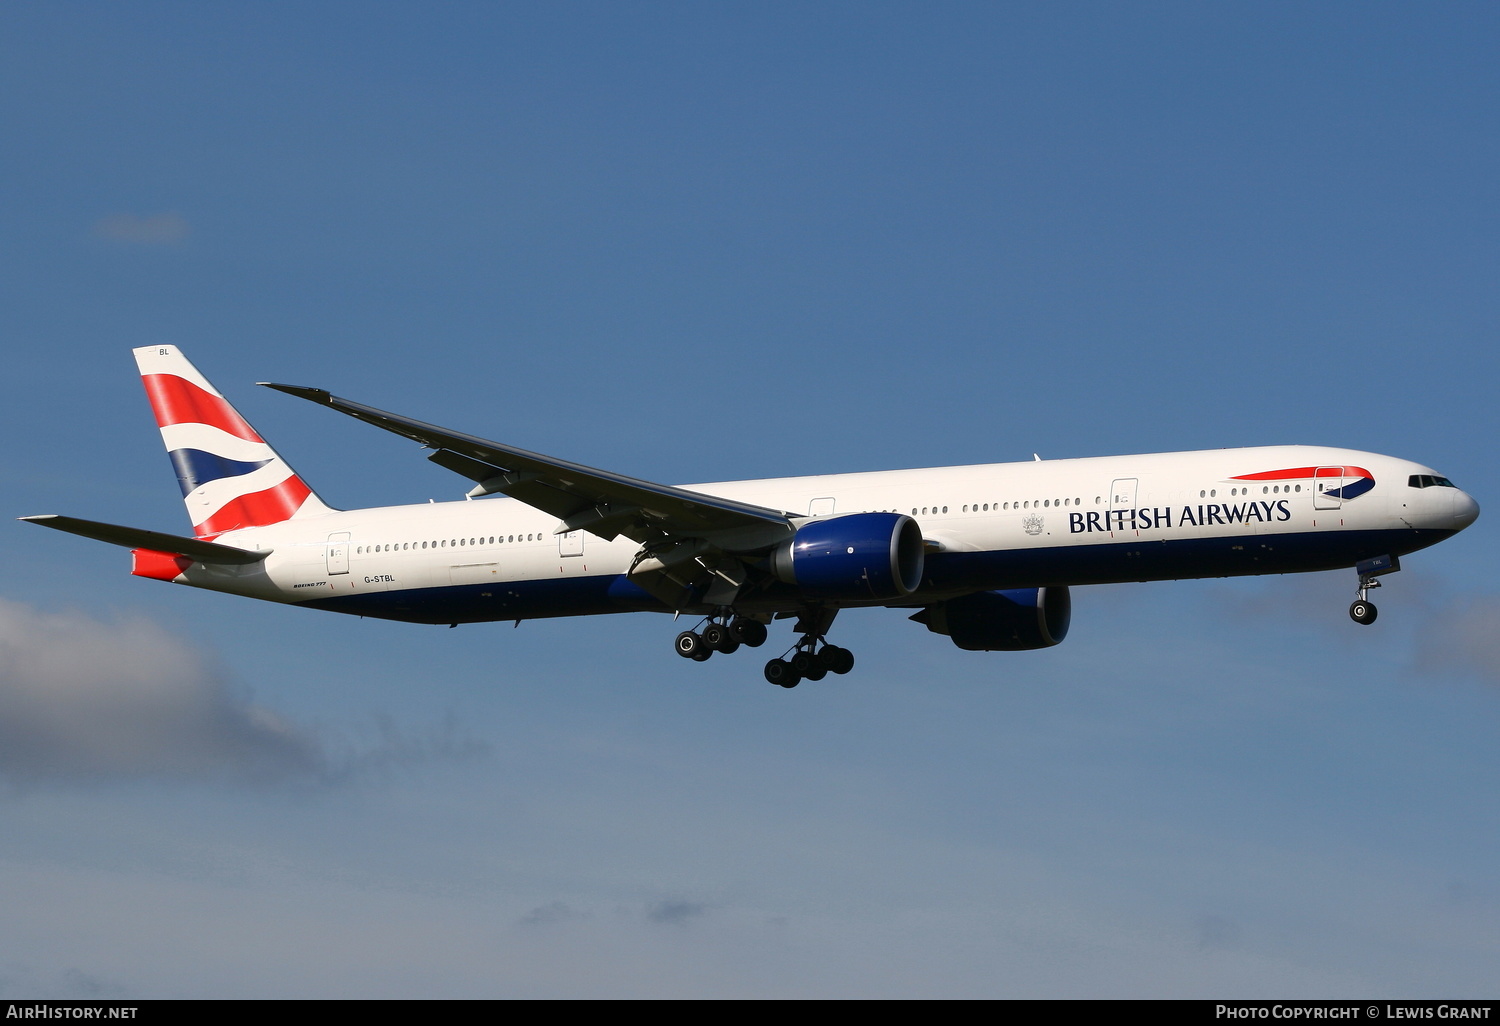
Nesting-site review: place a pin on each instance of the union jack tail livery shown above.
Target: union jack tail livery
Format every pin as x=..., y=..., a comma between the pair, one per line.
x=231, y=479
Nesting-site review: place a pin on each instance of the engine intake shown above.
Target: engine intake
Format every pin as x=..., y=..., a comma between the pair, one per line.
x=1003, y=621
x=855, y=557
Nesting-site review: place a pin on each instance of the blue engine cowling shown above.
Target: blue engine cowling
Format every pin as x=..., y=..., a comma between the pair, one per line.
x=1003, y=621
x=856, y=557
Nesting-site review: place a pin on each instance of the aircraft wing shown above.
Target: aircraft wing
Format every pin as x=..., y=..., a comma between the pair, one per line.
x=135, y=538
x=598, y=501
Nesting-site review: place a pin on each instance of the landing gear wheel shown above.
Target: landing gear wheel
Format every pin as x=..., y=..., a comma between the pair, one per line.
x=838, y=660
x=780, y=673
x=1362, y=612
x=750, y=633
x=701, y=656
x=689, y=645
x=719, y=638
x=803, y=663
x=818, y=672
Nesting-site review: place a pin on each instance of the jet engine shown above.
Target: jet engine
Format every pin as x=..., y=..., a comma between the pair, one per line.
x=856, y=557
x=1003, y=621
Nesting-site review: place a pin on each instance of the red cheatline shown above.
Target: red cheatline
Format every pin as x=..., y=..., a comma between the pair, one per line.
x=1295, y=472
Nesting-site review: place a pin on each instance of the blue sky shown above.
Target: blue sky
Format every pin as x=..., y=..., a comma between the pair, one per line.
x=693, y=243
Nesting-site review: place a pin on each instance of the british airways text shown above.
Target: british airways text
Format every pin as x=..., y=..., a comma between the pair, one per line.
x=1191, y=516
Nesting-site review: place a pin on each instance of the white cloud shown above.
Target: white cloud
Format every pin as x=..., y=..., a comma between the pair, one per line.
x=400, y=749
x=1464, y=635
x=675, y=911
x=166, y=229
x=84, y=698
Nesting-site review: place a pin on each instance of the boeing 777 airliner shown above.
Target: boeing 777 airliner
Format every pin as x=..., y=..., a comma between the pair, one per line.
x=982, y=554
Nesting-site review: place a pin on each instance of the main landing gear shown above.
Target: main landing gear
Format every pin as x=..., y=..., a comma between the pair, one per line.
x=721, y=634
x=809, y=662
x=1362, y=610
x=811, y=658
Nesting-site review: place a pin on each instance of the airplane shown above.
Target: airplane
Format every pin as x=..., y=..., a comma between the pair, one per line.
x=985, y=555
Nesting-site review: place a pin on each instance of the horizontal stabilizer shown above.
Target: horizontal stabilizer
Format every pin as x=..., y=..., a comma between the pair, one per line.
x=135, y=538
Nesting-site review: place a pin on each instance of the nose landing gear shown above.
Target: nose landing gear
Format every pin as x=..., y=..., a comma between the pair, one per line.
x=1362, y=610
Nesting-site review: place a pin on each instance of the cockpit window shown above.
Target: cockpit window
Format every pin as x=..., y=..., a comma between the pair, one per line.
x=1429, y=481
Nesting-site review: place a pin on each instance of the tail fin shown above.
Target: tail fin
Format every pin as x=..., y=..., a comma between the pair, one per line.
x=231, y=479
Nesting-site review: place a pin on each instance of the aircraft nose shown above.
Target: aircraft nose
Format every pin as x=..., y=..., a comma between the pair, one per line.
x=1465, y=509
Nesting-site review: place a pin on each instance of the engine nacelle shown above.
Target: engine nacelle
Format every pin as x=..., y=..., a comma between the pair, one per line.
x=1003, y=621
x=856, y=557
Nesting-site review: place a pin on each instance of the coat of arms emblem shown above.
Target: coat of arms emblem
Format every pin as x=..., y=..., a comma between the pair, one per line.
x=1033, y=524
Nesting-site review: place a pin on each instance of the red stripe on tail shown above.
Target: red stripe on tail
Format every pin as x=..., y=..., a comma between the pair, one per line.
x=175, y=400
x=257, y=509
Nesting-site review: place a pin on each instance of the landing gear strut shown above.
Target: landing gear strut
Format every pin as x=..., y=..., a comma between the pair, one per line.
x=1362, y=610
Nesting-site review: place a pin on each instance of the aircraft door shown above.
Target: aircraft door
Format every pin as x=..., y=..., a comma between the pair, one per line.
x=570, y=544
x=1122, y=492
x=820, y=507
x=338, y=553
x=1327, y=482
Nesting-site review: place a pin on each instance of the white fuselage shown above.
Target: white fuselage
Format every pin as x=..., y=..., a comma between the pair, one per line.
x=1055, y=522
